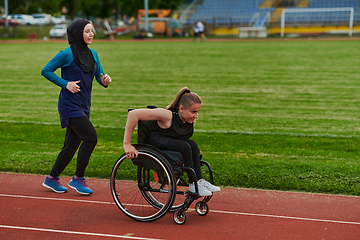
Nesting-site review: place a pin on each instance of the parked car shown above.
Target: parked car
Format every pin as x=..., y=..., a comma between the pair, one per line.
x=23, y=19
x=12, y=22
x=58, y=31
x=59, y=19
x=42, y=18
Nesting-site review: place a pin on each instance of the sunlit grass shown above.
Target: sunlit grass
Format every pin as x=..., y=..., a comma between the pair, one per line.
x=275, y=114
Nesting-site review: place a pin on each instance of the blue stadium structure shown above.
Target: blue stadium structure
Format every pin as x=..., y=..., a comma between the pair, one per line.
x=233, y=14
x=322, y=18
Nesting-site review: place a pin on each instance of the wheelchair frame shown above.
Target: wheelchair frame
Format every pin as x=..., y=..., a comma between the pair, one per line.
x=156, y=184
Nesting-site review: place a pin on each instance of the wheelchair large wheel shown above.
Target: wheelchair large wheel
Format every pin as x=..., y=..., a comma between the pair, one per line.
x=157, y=202
x=181, y=188
x=144, y=188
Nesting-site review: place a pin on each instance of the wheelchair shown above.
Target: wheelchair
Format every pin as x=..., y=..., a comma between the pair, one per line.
x=149, y=186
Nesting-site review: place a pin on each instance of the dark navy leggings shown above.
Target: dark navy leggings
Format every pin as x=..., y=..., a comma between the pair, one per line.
x=79, y=129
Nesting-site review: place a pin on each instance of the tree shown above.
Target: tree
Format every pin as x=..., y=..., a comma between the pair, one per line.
x=72, y=6
x=90, y=8
x=131, y=7
x=23, y=6
x=173, y=4
x=33, y=6
x=94, y=8
x=51, y=7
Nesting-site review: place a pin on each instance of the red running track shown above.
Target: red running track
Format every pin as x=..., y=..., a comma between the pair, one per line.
x=30, y=211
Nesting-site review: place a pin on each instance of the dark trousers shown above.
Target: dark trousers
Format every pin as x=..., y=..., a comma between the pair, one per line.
x=189, y=150
x=79, y=129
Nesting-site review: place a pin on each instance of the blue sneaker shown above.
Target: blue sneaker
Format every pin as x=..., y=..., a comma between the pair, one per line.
x=80, y=186
x=54, y=185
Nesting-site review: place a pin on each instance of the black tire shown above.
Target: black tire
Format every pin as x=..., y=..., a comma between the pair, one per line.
x=133, y=186
x=153, y=199
x=180, y=197
x=180, y=217
x=201, y=208
x=178, y=201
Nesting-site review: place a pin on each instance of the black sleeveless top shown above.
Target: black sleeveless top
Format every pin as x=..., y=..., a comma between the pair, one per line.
x=178, y=130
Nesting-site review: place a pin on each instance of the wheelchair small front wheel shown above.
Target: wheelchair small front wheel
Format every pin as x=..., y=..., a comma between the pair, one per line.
x=201, y=208
x=180, y=217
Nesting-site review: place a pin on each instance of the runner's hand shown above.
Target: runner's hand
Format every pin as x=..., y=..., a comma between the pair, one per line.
x=105, y=79
x=73, y=87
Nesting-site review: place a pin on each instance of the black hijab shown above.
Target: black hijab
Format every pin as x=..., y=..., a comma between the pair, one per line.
x=82, y=54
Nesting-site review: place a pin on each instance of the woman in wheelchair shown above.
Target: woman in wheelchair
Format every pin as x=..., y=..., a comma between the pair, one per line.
x=175, y=125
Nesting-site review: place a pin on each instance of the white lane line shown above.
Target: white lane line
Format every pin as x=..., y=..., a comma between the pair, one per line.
x=67, y=200
x=215, y=211
x=54, y=199
x=286, y=217
x=73, y=232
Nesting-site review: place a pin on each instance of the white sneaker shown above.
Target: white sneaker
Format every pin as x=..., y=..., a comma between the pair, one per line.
x=203, y=191
x=208, y=185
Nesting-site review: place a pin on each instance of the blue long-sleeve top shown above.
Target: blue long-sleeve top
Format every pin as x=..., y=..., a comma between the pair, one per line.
x=72, y=104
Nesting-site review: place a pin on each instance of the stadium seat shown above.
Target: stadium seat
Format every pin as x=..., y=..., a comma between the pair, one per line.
x=230, y=11
x=326, y=17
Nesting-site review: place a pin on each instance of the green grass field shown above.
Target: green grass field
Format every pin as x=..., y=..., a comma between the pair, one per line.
x=276, y=114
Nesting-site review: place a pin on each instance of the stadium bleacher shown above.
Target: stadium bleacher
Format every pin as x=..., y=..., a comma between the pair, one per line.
x=239, y=12
x=334, y=17
x=232, y=16
x=249, y=12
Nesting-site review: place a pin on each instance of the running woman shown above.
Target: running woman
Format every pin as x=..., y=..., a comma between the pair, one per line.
x=79, y=65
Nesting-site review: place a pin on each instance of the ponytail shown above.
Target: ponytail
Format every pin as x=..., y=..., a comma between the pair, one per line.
x=185, y=98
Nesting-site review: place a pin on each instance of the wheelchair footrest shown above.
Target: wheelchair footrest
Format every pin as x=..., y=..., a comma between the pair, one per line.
x=190, y=194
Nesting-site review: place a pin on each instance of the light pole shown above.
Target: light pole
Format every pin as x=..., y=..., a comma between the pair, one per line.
x=146, y=6
x=6, y=13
